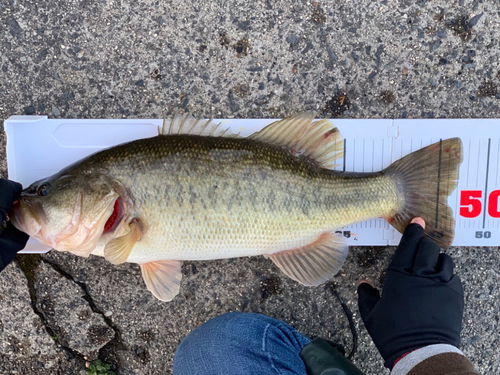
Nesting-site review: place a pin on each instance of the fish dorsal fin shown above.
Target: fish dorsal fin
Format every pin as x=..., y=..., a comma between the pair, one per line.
x=315, y=263
x=319, y=140
x=190, y=125
x=118, y=249
x=163, y=278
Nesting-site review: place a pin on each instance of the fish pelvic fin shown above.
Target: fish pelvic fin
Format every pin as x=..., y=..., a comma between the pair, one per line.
x=162, y=278
x=186, y=123
x=118, y=249
x=319, y=140
x=426, y=178
x=316, y=263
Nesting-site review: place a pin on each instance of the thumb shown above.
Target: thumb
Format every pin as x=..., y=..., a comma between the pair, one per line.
x=368, y=297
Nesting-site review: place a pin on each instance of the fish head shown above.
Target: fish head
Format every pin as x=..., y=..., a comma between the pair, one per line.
x=67, y=212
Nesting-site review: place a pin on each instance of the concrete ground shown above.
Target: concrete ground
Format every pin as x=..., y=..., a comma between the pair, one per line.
x=146, y=59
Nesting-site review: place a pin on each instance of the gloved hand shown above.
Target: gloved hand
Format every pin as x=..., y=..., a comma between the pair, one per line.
x=422, y=300
x=11, y=239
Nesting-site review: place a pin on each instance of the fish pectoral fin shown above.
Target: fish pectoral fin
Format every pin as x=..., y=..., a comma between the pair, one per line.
x=315, y=263
x=118, y=249
x=163, y=278
x=319, y=140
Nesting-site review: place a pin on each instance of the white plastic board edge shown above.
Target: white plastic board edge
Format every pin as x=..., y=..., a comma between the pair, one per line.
x=38, y=147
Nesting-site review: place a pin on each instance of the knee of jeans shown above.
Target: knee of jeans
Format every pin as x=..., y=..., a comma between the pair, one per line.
x=208, y=338
x=235, y=338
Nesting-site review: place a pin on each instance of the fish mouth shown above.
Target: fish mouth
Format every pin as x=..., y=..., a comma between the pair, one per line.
x=26, y=218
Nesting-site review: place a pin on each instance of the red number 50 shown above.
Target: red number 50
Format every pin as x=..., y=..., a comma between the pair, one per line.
x=471, y=206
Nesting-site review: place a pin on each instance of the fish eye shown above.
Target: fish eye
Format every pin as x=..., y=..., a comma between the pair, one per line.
x=43, y=190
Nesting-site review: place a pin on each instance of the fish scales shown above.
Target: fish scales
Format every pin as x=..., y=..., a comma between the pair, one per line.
x=209, y=198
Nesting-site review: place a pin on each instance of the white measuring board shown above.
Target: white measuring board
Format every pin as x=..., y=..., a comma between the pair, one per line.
x=38, y=147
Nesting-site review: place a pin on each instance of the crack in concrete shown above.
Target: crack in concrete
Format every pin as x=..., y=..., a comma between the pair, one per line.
x=108, y=352
x=28, y=264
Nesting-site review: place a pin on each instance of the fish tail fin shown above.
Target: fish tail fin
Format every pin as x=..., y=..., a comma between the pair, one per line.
x=427, y=177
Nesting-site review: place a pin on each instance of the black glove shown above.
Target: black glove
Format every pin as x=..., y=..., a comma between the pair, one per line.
x=12, y=240
x=422, y=300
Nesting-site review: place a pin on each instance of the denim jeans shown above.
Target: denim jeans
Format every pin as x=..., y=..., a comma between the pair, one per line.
x=240, y=344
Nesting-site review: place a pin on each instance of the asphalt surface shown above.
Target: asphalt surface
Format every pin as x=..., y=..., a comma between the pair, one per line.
x=147, y=59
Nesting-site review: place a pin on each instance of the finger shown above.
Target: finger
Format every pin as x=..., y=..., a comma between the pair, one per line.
x=11, y=242
x=12, y=239
x=419, y=221
x=9, y=192
x=368, y=297
x=407, y=249
x=426, y=259
x=456, y=284
x=444, y=268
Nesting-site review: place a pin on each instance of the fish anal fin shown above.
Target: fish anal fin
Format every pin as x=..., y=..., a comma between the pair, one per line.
x=118, y=249
x=315, y=263
x=186, y=123
x=319, y=140
x=162, y=278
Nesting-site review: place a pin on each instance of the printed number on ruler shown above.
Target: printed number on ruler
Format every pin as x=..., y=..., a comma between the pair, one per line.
x=471, y=207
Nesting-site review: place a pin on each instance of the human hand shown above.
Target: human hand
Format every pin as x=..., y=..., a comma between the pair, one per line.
x=12, y=240
x=422, y=300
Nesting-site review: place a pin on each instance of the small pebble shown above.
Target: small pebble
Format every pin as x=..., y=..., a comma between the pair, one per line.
x=55, y=111
x=29, y=110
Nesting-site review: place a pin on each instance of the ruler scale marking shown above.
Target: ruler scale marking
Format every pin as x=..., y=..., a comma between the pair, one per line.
x=354, y=154
x=468, y=164
x=448, y=177
x=478, y=168
x=373, y=156
x=382, y=165
x=439, y=182
x=343, y=168
x=498, y=163
x=363, y=153
x=486, y=183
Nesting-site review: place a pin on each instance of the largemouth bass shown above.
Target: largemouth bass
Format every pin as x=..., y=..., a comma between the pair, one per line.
x=196, y=192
